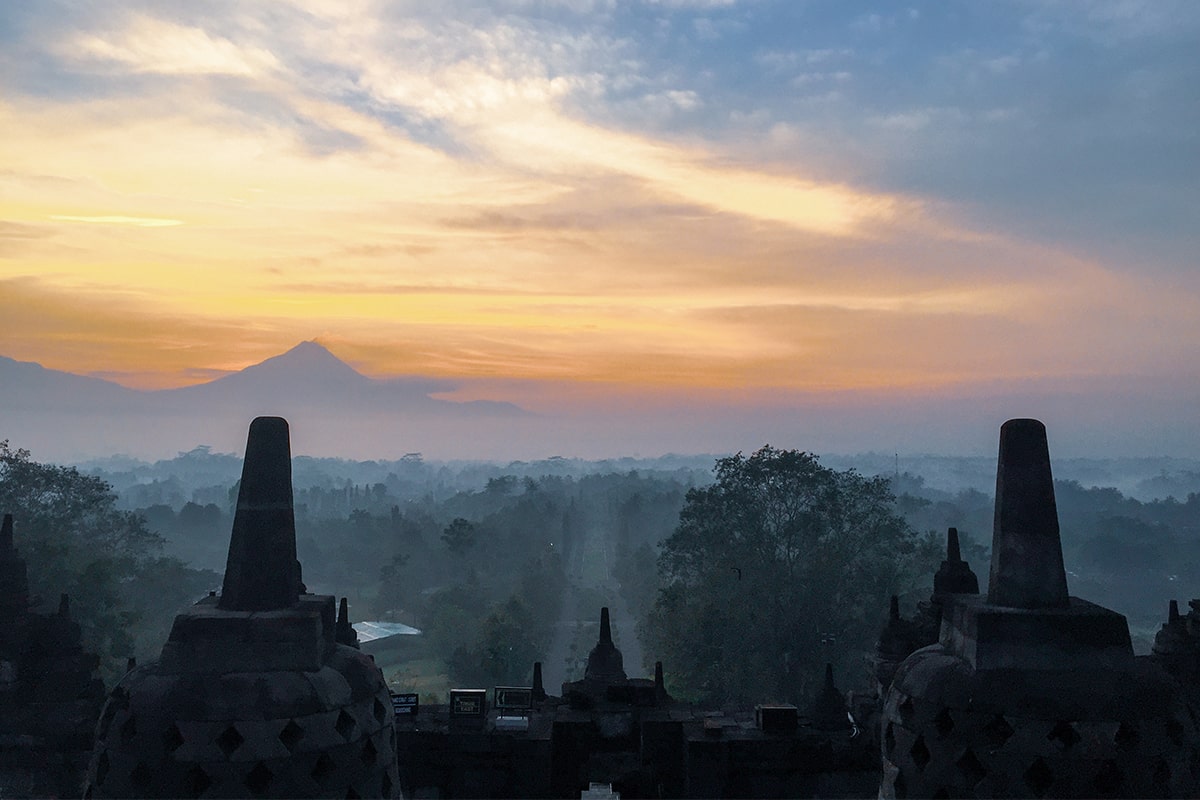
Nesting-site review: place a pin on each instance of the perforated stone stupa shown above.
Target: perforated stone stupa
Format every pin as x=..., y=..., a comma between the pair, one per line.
x=50, y=688
x=252, y=695
x=1031, y=692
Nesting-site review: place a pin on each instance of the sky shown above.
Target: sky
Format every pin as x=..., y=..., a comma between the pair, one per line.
x=743, y=208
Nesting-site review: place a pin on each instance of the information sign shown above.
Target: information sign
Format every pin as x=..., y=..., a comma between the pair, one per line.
x=513, y=698
x=468, y=702
x=405, y=704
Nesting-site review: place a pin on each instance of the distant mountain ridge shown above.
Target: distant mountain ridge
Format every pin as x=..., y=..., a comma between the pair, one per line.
x=336, y=411
x=309, y=368
x=308, y=384
x=29, y=384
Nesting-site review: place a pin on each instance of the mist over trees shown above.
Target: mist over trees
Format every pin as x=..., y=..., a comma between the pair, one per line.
x=76, y=541
x=745, y=580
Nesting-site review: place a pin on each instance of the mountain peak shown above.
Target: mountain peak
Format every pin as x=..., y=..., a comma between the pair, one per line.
x=310, y=346
x=309, y=351
x=307, y=363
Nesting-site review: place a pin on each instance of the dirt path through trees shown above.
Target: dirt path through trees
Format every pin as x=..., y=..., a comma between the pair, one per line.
x=592, y=585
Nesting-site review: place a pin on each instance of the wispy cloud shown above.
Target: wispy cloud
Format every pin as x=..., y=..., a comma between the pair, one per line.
x=151, y=45
x=137, y=222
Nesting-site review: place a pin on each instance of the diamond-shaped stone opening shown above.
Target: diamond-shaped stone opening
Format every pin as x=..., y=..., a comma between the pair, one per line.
x=889, y=740
x=997, y=731
x=1175, y=731
x=1107, y=782
x=323, y=768
x=369, y=754
x=128, y=730
x=972, y=769
x=944, y=722
x=141, y=775
x=229, y=741
x=1064, y=735
x=344, y=725
x=291, y=735
x=900, y=786
x=920, y=753
x=1126, y=737
x=1161, y=779
x=172, y=738
x=907, y=709
x=1039, y=778
x=379, y=711
x=198, y=781
x=258, y=780
x=101, y=768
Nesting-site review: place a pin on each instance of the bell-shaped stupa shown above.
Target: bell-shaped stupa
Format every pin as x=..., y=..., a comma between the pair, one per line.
x=252, y=695
x=605, y=663
x=1031, y=692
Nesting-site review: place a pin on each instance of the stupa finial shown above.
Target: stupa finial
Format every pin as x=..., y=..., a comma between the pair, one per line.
x=344, y=632
x=539, y=688
x=1027, y=561
x=954, y=576
x=605, y=627
x=261, y=574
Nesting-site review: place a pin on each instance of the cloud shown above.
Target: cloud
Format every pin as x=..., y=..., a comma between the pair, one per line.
x=148, y=44
x=137, y=222
x=539, y=189
x=91, y=330
x=694, y=4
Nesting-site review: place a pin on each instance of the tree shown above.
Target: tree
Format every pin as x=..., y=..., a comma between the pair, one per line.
x=503, y=652
x=393, y=590
x=777, y=567
x=459, y=536
x=76, y=541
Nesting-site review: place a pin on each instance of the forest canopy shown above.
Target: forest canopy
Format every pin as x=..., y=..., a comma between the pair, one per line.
x=777, y=567
x=76, y=541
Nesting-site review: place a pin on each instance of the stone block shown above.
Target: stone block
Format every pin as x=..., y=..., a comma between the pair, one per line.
x=1000, y=637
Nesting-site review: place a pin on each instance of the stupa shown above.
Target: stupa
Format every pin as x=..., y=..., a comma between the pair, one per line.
x=1031, y=692
x=252, y=695
x=50, y=687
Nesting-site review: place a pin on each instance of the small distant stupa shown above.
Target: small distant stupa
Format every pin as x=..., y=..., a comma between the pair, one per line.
x=605, y=663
